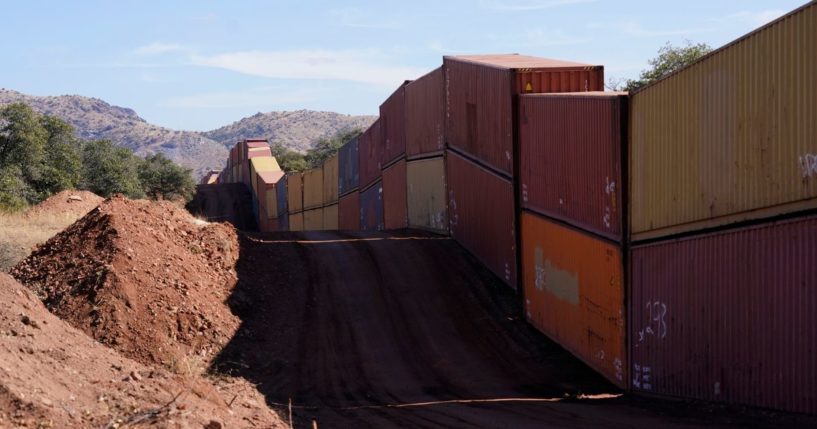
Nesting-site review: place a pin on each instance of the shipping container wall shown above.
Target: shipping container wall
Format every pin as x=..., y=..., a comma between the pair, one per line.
x=574, y=293
x=313, y=188
x=730, y=138
x=481, y=215
x=425, y=114
x=371, y=208
x=394, y=196
x=330, y=180
x=393, y=124
x=281, y=200
x=426, y=195
x=295, y=192
x=370, y=150
x=570, y=150
x=283, y=221
x=348, y=165
x=313, y=219
x=330, y=217
x=296, y=221
x=728, y=316
x=349, y=212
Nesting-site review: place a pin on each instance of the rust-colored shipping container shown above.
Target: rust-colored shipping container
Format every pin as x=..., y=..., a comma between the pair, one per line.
x=371, y=208
x=574, y=293
x=267, y=193
x=732, y=137
x=330, y=180
x=296, y=221
x=313, y=219
x=425, y=115
x=349, y=212
x=480, y=93
x=349, y=167
x=570, y=148
x=481, y=215
x=728, y=316
x=393, y=125
x=295, y=192
x=426, y=195
x=370, y=151
x=313, y=188
x=394, y=196
x=330, y=217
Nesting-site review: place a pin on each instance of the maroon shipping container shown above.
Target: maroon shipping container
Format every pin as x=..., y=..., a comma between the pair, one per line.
x=729, y=316
x=394, y=196
x=425, y=114
x=370, y=148
x=481, y=215
x=349, y=212
x=371, y=208
x=570, y=148
x=393, y=125
x=480, y=93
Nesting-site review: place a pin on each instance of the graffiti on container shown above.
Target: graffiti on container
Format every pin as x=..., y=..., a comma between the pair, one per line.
x=657, y=321
x=610, y=190
x=808, y=165
x=524, y=193
x=642, y=377
x=452, y=206
x=619, y=366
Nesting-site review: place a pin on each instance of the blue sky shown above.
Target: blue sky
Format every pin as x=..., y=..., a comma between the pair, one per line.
x=198, y=65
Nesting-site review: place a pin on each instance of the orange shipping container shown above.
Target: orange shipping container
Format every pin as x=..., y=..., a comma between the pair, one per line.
x=313, y=220
x=295, y=193
x=296, y=221
x=574, y=293
x=394, y=196
x=313, y=188
x=349, y=212
x=330, y=217
x=330, y=180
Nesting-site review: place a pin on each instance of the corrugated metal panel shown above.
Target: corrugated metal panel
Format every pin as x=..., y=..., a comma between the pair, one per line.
x=295, y=192
x=570, y=149
x=728, y=316
x=330, y=180
x=393, y=125
x=296, y=221
x=349, y=212
x=574, y=293
x=371, y=208
x=259, y=152
x=330, y=217
x=425, y=114
x=313, y=220
x=283, y=207
x=730, y=138
x=479, y=93
x=371, y=147
x=313, y=188
x=426, y=195
x=481, y=215
x=394, y=196
x=349, y=166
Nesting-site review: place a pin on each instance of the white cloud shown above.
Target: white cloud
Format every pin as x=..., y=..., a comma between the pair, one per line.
x=253, y=97
x=635, y=29
x=349, y=65
x=527, y=5
x=158, y=49
x=757, y=18
x=362, y=18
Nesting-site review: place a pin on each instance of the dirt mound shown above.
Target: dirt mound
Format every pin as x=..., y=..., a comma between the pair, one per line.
x=52, y=375
x=72, y=203
x=145, y=278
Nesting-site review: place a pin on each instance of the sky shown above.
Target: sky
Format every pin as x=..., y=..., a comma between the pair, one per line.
x=199, y=64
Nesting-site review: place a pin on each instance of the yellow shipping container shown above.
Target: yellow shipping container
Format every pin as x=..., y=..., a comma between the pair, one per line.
x=330, y=217
x=427, y=208
x=259, y=165
x=295, y=193
x=732, y=137
x=330, y=181
x=313, y=188
x=313, y=220
x=296, y=221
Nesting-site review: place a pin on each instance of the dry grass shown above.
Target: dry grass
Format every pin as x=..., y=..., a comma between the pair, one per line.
x=20, y=232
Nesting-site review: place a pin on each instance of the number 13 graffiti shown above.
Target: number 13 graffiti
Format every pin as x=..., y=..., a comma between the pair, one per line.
x=657, y=325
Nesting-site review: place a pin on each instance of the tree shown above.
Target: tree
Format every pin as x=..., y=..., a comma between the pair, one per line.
x=288, y=159
x=161, y=178
x=326, y=148
x=669, y=60
x=62, y=167
x=108, y=169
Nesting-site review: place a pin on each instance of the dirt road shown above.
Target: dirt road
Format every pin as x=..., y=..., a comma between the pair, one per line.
x=383, y=331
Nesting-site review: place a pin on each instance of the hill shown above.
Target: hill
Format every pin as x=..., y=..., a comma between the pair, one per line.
x=96, y=119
